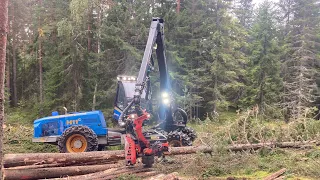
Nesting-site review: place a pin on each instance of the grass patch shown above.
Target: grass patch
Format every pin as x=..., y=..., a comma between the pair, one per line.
x=18, y=135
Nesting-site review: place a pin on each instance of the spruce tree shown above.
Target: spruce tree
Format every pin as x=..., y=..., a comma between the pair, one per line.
x=301, y=65
x=264, y=83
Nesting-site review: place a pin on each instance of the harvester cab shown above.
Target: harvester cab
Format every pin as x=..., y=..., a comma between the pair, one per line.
x=125, y=94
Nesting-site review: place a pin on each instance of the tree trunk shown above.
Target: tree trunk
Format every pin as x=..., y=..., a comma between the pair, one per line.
x=178, y=7
x=94, y=101
x=8, y=80
x=40, y=61
x=244, y=147
x=89, y=26
x=8, y=74
x=112, y=173
x=14, y=60
x=12, y=160
x=3, y=45
x=53, y=172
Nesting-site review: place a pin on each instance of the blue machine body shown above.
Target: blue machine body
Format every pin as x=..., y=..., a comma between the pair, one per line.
x=55, y=125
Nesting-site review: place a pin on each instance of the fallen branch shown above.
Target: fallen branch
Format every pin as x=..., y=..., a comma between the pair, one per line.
x=276, y=174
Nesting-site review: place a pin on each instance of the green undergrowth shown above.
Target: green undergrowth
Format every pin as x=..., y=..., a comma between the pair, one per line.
x=247, y=128
x=18, y=133
x=300, y=164
x=218, y=133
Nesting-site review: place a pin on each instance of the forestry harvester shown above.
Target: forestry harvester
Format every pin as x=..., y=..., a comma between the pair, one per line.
x=87, y=131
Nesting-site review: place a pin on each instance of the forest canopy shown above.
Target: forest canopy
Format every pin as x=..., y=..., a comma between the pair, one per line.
x=223, y=54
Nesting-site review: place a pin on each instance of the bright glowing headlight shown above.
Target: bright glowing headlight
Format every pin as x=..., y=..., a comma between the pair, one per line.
x=122, y=124
x=165, y=95
x=133, y=78
x=124, y=78
x=166, y=101
x=118, y=78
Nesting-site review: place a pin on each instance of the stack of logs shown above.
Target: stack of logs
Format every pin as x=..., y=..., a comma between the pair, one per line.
x=102, y=164
x=91, y=165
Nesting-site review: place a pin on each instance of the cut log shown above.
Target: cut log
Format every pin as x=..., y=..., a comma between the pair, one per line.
x=299, y=144
x=14, y=174
x=188, y=150
x=67, y=159
x=110, y=173
x=64, y=159
x=37, y=166
x=276, y=174
x=13, y=160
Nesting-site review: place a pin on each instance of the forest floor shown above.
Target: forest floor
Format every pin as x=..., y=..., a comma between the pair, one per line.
x=300, y=163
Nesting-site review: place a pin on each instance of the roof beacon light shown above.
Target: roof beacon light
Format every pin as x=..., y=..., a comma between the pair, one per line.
x=126, y=78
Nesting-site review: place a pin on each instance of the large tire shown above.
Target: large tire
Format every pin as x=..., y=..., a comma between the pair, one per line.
x=180, y=116
x=190, y=132
x=78, y=139
x=148, y=160
x=178, y=139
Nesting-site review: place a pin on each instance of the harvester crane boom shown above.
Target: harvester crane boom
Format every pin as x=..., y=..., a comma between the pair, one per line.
x=156, y=37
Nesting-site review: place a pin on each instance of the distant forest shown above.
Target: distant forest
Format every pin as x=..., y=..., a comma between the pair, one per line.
x=222, y=54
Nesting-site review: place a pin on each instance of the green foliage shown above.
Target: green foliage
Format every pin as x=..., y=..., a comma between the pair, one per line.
x=222, y=54
x=18, y=133
x=263, y=76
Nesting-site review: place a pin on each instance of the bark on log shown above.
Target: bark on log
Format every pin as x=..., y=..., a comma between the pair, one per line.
x=110, y=173
x=13, y=160
x=244, y=147
x=276, y=174
x=14, y=174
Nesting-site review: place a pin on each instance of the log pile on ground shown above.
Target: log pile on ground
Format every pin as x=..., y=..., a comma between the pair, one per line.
x=87, y=165
x=102, y=164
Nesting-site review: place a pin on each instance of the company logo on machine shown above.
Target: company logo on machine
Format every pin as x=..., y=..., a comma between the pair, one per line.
x=71, y=122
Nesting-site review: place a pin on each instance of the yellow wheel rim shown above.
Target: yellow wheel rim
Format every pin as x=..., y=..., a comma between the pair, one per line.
x=175, y=143
x=76, y=143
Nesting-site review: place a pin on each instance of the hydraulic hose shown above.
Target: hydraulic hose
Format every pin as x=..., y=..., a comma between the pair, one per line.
x=121, y=122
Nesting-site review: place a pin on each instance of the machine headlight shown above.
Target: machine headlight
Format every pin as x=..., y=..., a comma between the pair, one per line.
x=124, y=78
x=133, y=78
x=133, y=116
x=165, y=95
x=166, y=101
x=122, y=124
x=165, y=98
